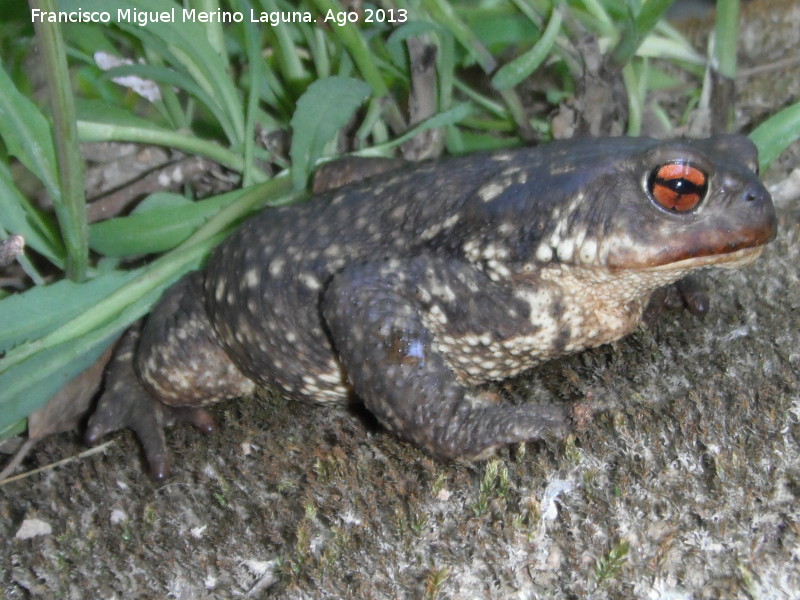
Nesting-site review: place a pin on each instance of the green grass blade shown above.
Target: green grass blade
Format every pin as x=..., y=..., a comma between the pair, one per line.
x=29, y=385
x=444, y=119
x=27, y=134
x=18, y=215
x=290, y=65
x=70, y=203
x=31, y=314
x=156, y=230
x=775, y=134
x=213, y=28
x=726, y=37
x=351, y=39
x=521, y=67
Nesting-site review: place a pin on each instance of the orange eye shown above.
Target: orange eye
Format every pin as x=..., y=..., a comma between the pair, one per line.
x=677, y=187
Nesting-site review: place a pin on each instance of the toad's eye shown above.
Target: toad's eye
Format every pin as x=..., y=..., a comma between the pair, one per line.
x=677, y=187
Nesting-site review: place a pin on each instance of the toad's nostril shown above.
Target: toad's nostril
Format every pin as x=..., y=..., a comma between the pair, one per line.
x=755, y=193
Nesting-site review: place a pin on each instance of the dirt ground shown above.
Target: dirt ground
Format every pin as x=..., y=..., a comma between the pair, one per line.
x=687, y=487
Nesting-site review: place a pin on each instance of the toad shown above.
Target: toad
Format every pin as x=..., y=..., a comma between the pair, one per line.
x=412, y=289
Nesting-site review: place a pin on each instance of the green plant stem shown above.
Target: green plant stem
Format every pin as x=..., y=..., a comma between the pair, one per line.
x=726, y=37
x=514, y=104
x=634, y=83
x=91, y=131
x=288, y=58
x=252, y=47
x=319, y=52
x=176, y=114
x=70, y=207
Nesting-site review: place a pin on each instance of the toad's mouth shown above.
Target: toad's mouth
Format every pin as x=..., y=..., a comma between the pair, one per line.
x=729, y=260
x=724, y=246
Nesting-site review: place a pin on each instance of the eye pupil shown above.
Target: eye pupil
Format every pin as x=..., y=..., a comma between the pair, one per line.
x=677, y=187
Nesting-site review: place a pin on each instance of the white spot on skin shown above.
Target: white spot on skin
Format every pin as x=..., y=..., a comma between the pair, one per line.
x=565, y=250
x=470, y=340
x=276, y=267
x=555, y=237
x=219, y=290
x=492, y=252
x=252, y=278
x=497, y=270
x=472, y=250
x=450, y=221
x=310, y=281
x=430, y=232
x=507, y=228
x=578, y=237
x=491, y=190
x=444, y=292
x=562, y=168
x=575, y=203
x=437, y=314
x=332, y=251
x=544, y=253
x=337, y=264
x=588, y=251
x=308, y=380
x=398, y=212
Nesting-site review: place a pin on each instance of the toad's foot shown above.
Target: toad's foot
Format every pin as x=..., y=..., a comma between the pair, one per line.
x=687, y=293
x=127, y=404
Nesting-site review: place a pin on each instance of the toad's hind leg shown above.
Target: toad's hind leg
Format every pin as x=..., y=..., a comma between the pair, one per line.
x=376, y=316
x=165, y=373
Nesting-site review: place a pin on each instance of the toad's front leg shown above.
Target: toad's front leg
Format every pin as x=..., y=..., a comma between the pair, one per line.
x=415, y=336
